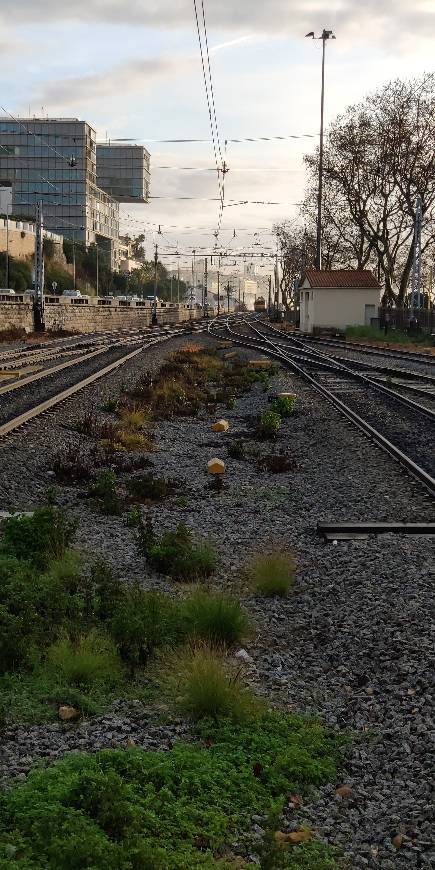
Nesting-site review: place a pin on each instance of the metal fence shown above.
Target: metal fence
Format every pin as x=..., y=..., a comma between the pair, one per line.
x=406, y=319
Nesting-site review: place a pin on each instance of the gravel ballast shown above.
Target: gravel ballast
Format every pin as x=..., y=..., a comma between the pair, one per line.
x=351, y=644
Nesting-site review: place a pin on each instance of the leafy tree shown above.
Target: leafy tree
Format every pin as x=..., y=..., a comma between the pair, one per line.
x=20, y=273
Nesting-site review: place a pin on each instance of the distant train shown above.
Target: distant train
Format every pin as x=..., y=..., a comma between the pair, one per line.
x=260, y=304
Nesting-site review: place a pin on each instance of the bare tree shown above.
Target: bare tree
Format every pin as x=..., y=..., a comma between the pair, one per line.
x=297, y=247
x=378, y=157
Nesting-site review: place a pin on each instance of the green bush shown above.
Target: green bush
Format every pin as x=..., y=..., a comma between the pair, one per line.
x=284, y=405
x=143, y=622
x=149, y=810
x=176, y=554
x=237, y=450
x=104, y=491
x=272, y=573
x=269, y=424
x=214, y=617
x=90, y=659
x=207, y=689
x=151, y=488
x=32, y=607
x=38, y=539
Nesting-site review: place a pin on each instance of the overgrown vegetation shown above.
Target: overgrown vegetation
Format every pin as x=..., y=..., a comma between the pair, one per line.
x=176, y=553
x=147, y=487
x=269, y=424
x=393, y=336
x=105, y=493
x=284, y=405
x=130, y=809
x=272, y=573
x=215, y=618
x=207, y=687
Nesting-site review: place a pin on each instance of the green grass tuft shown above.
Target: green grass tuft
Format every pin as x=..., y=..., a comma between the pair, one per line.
x=272, y=573
x=214, y=617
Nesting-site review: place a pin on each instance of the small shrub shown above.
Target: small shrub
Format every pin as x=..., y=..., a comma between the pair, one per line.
x=214, y=617
x=231, y=403
x=104, y=491
x=151, y=488
x=207, y=689
x=110, y=406
x=88, y=424
x=74, y=464
x=132, y=419
x=176, y=554
x=143, y=622
x=276, y=463
x=284, y=405
x=38, y=539
x=91, y=659
x=133, y=441
x=182, y=501
x=237, y=450
x=133, y=518
x=269, y=424
x=272, y=573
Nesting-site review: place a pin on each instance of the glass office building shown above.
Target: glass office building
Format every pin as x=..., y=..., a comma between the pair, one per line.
x=124, y=171
x=55, y=160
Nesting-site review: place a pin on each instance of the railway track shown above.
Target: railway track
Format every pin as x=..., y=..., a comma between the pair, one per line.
x=23, y=406
x=400, y=426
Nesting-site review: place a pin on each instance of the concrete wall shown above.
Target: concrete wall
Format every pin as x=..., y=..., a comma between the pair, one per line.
x=337, y=307
x=91, y=315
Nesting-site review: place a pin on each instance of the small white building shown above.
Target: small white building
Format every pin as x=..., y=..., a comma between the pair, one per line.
x=338, y=298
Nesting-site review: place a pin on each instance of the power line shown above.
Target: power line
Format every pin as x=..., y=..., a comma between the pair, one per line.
x=209, y=141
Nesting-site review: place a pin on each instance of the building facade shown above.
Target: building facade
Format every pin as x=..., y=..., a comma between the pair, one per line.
x=55, y=160
x=124, y=171
x=338, y=298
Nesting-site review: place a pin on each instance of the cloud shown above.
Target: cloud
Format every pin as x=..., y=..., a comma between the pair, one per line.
x=378, y=20
x=122, y=78
x=230, y=43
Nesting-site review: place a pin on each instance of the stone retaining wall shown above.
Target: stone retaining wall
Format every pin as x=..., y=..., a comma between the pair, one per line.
x=83, y=318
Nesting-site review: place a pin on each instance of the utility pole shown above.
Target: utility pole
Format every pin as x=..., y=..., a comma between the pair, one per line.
x=270, y=296
x=219, y=295
x=178, y=283
x=205, y=286
x=74, y=259
x=38, y=298
x=154, y=314
x=326, y=34
x=416, y=265
x=98, y=273
x=171, y=285
x=7, y=247
x=239, y=294
x=228, y=296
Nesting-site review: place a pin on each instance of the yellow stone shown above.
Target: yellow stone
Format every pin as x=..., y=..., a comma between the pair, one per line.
x=286, y=396
x=230, y=355
x=67, y=713
x=216, y=466
x=221, y=426
x=260, y=363
x=293, y=838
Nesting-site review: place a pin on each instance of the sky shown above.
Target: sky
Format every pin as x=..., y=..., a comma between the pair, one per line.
x=133, y=70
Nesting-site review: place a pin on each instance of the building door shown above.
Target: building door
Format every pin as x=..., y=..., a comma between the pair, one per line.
x=369, y=314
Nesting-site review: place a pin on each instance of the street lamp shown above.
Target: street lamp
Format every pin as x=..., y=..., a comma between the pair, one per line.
x=326, y=34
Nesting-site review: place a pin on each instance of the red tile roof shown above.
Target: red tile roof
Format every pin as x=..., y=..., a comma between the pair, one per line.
x=358, y=278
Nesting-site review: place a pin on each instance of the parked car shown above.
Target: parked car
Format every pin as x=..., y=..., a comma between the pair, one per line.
x=7, y=291
x=75, y=294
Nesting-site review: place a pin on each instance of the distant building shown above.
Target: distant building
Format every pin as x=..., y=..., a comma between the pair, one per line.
x=124, y=171
x=57, y=160
x=338, y=298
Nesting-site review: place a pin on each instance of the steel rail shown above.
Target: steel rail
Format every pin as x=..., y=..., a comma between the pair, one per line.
x=402, y=400
x=415, y=356
x=13, y=424
x=415, y=470
x=23, y=382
